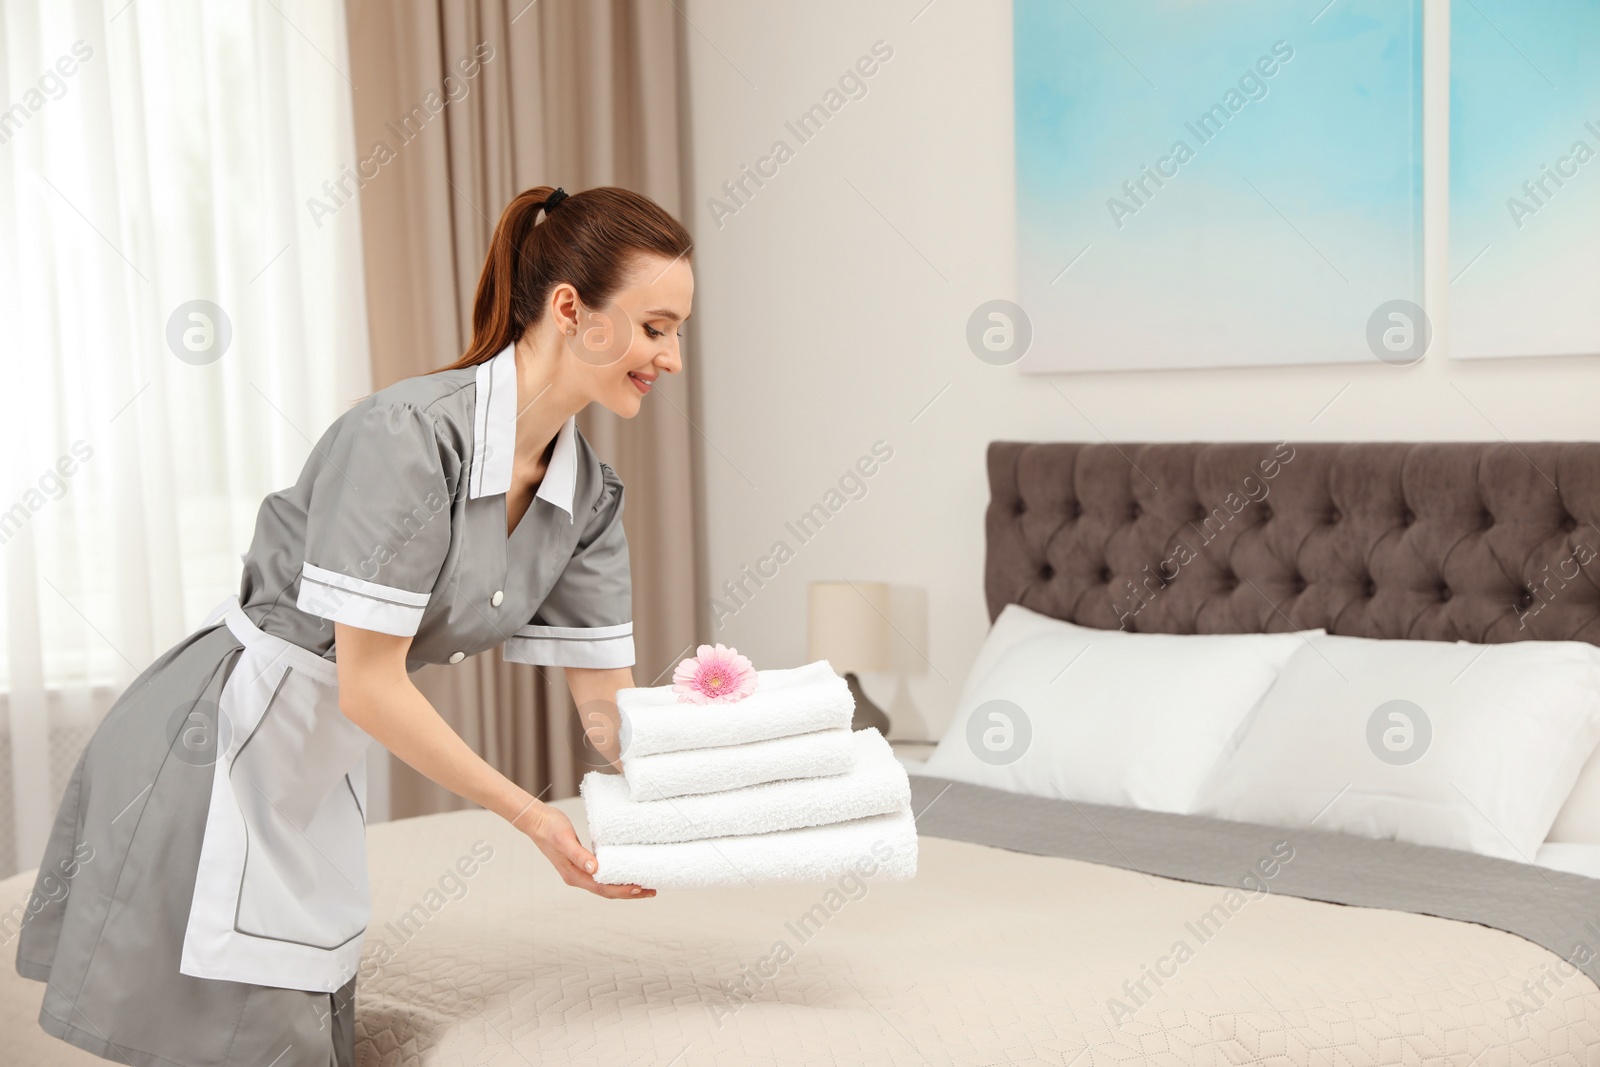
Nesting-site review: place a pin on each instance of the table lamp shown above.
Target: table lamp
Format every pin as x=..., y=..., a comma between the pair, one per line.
x=848, y=625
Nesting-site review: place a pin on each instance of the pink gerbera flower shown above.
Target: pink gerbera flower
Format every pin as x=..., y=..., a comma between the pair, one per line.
x=715, y=676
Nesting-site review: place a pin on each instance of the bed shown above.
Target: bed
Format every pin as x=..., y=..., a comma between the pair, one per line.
x=1043, y=931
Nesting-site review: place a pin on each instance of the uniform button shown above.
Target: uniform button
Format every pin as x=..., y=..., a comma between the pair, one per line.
x=499, y=595
x=457, y=657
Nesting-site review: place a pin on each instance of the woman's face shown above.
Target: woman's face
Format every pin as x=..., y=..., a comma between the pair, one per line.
x=623, y=348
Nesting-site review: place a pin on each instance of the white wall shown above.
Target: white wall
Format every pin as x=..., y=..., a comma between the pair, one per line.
x=831, y=308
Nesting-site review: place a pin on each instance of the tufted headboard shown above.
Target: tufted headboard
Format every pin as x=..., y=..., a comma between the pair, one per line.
x=1477, y=542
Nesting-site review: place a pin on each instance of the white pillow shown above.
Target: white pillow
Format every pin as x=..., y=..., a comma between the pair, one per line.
x=1572, y=858
x=1464, y=746
x=1105, y=716
x=1578, y=823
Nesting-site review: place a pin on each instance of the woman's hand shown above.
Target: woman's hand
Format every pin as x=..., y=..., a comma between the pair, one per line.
x=376, y=693
x=552, y=831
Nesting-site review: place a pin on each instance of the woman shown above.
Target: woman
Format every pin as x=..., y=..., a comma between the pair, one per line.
x=213, y=831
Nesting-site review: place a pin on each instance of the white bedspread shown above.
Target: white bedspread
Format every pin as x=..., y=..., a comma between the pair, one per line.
x=986, y=957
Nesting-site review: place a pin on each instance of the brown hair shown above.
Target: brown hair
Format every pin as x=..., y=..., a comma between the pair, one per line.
x=586, y=241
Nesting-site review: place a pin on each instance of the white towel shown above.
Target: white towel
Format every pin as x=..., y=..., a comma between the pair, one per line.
x=707, y=770
x=876, y=848
x=876, y=783
x=794, y=700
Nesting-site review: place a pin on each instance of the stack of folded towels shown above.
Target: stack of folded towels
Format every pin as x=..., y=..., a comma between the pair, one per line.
x=771, y=788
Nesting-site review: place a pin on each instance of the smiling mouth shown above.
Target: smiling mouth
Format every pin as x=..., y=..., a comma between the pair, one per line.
x=642, y=384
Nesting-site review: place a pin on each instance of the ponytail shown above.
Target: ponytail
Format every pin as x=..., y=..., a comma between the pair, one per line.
x=587, y=240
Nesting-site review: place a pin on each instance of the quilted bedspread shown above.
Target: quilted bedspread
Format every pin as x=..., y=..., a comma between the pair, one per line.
x=478, y=954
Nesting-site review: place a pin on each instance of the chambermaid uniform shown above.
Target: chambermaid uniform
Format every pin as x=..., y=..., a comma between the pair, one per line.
x=214, y=826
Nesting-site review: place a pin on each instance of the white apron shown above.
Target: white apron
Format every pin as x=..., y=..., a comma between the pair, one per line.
x=281, y=895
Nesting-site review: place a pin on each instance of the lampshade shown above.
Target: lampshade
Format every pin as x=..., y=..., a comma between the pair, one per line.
x=847, y=624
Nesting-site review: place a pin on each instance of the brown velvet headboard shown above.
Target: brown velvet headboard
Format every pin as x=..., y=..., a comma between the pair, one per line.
x=1477, y=542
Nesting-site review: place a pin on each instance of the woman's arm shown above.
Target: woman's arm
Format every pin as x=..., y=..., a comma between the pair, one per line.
x=377, y=694
x=594, y=692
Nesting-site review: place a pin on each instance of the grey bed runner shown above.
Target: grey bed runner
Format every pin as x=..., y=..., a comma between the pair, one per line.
x=1552, y=909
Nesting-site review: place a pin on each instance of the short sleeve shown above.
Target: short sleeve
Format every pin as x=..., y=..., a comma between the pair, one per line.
x=587, y=618
x=377, y=526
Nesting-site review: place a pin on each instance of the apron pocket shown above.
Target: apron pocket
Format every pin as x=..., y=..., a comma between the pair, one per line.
x=304, y=884
x=305, y=870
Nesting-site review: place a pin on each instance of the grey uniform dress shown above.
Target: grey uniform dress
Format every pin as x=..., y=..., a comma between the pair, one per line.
x=203, y=897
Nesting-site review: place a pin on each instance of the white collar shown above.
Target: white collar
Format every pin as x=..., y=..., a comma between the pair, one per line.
x=494, y=438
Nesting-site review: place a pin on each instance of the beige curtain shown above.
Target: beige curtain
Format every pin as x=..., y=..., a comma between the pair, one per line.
x=459, y=105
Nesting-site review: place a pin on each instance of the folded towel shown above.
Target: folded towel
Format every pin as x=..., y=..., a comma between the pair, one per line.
x=876, y=783
x=707, y=770
x=876, y=848
x=794, y=700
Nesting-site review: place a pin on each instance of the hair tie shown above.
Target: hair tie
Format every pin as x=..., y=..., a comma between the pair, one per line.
x=552, y=200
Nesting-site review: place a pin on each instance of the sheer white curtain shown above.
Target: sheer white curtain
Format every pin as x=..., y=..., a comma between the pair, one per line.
x=173, y=176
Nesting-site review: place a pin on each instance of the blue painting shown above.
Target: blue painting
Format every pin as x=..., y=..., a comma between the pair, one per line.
x=1524, y=178
x=1216, y=184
